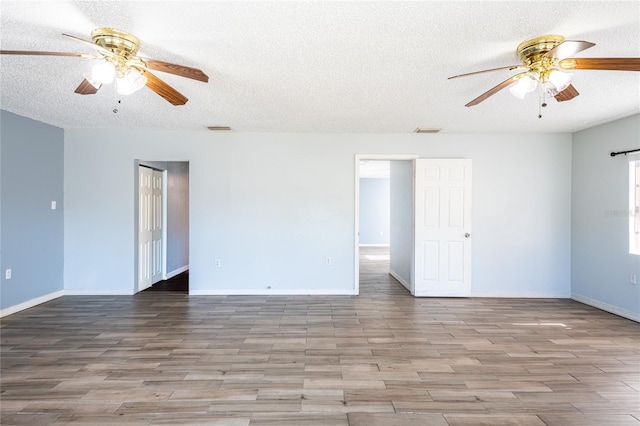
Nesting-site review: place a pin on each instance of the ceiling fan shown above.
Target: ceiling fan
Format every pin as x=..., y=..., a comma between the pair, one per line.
x=118, y=51
x=544, y=61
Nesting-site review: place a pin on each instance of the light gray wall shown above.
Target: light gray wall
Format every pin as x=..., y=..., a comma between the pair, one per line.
x=374, y=211
x=521, y=214
x=401, y=250
x=265, y=205
x=177, y=212
x=31, y=241
x=177, y=216
x=600, y=260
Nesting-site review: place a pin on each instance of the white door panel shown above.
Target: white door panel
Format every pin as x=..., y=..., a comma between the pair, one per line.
x=150, y=255
x=442, y=227
x=156, y=230
x=144, y=227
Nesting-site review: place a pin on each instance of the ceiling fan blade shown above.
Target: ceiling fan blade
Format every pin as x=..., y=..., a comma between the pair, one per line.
x=567, y=94
x=510, y=67
x=610, y=64
x=91, y=44
x=496, y=89
x=568, y=48
x=181, y=70
x=164, y=90
x=86, y=88
x=43, y=53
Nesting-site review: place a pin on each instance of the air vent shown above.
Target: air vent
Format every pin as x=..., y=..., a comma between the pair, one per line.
x=219, y=128
x=427, y=130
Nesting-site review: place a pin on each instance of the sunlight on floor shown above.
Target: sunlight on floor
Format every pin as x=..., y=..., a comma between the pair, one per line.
x=377, y=256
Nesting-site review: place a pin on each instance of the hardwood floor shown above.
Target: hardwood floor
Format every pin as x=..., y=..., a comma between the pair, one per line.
x=178, y=283
x=382, y=358
x=374, y=274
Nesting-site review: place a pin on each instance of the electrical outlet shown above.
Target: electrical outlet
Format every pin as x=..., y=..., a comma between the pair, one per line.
x=7, y=274
x=327, y=261
x=633, y=279
x=218, y=263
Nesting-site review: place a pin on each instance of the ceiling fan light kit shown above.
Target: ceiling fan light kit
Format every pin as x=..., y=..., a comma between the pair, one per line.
x=122, y=65
x=545, y=60
x=543, y=69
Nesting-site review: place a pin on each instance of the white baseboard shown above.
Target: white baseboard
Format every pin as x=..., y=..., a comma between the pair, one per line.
x=175, y=272
x=400, y=280
x=30, y=303
x=374, y=245
x=606, y=307
x=264, y=292
x=577, y=297
x=520, y=295
x=80, y=292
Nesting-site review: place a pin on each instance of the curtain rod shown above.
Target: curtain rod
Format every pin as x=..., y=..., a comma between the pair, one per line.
x=613, y=154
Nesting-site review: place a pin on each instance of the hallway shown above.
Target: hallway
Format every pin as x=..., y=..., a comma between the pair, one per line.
x=374, y=273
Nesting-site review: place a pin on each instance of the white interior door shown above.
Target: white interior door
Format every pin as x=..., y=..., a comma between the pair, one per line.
x=150, y=257
x=442, y=266
x=156, y=230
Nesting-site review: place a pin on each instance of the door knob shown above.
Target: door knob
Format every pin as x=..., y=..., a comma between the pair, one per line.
x=467, y=235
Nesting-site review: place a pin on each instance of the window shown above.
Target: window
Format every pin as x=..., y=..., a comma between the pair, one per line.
x=634, y=204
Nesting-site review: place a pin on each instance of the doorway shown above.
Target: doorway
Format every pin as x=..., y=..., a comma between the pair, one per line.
x=384, y=203
x=168, y=212
x=430, y=233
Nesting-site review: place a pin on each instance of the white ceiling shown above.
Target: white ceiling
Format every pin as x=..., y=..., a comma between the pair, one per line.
x=351, y=66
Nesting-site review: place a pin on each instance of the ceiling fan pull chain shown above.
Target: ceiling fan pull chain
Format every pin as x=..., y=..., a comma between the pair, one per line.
x=542, y=96
x=115, y=98
x=540, y=100
x=539, y=111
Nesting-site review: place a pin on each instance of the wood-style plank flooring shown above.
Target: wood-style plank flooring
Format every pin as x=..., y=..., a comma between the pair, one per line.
x=381, y=358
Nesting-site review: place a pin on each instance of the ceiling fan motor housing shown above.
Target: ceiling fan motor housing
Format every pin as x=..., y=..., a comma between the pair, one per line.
x=533, y=54
x=123, y=44
x=124, y=47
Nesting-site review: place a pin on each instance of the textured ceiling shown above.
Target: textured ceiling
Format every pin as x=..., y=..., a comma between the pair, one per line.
x=378, y=67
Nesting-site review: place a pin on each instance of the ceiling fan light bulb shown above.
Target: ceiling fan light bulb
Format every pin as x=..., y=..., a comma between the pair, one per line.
x=560, y=80
x=524, y=85
x=103, y=73
x=140, y=82
x=515, y=91
x=551, y=89
x=131, y=82
x=124, y=86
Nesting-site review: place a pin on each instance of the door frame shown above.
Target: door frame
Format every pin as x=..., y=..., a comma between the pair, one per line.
x=165, y=199
x=356, y=235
